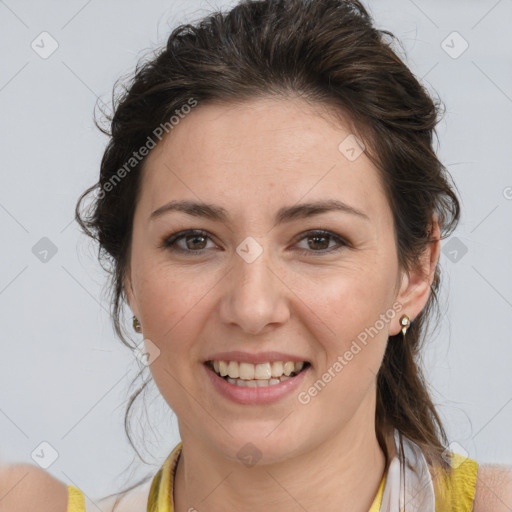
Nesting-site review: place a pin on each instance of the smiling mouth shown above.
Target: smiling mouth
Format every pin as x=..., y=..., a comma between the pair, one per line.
x=257, y=382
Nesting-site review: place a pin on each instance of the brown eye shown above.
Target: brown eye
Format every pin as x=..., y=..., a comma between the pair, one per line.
x=318, y=242
x=195, y=241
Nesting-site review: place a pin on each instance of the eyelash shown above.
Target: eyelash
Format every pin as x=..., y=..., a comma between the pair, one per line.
x=169, y=243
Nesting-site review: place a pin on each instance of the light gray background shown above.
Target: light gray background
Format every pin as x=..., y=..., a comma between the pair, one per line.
x=64, y=376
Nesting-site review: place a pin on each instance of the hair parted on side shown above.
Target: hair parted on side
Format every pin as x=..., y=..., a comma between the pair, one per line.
x=327, y=52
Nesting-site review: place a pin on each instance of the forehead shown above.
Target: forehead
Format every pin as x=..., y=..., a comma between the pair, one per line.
x=263, y=152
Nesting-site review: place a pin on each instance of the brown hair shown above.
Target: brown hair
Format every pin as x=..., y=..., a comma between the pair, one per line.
x=328, y=52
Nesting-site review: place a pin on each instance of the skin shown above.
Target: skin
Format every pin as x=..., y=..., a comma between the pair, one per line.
x=273, y=303
x=252, y=159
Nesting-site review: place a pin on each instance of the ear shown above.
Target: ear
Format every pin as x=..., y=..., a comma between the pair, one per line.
x=128, y=291
x=415, y=286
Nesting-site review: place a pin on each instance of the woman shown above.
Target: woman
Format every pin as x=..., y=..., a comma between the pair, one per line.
x=273, y=209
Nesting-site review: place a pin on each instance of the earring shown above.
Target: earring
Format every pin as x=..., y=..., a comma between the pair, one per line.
x=405, y=323
x=136, y=325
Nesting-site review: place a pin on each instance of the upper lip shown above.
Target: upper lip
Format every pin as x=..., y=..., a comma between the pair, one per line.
x=260, y=357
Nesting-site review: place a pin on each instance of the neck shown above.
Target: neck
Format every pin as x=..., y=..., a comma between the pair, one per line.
x=207, y=480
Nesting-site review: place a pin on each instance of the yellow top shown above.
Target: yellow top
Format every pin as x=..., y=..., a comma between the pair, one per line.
x=456, y=493
x=76, y=500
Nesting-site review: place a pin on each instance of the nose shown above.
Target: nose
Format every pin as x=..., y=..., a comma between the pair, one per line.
x=255, y=297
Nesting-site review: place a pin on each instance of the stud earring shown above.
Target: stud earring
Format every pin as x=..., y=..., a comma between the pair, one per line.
x=136, y=325
x=405, y=323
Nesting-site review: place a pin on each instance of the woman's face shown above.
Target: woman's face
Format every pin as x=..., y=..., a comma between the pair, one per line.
x=286, y=289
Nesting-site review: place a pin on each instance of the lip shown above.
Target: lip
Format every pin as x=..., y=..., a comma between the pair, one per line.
x=260, y=357
x=258, y=395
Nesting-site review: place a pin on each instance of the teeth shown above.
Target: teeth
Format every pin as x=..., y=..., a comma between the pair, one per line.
x=288, y=368
x=246, y=370
x=277, y=369
x=261, y=372
x=257, y=383
x=233, y=371
x=223, y=368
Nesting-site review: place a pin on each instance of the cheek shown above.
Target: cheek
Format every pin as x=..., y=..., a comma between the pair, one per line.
x=348, y=302
x=350, y=316
x=174, y=308
x=350, y=349
x=168, y=294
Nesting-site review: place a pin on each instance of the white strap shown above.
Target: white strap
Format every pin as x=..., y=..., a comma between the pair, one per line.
x=409, y=486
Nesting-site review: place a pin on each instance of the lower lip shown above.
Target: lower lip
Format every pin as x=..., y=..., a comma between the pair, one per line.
x=258, y=395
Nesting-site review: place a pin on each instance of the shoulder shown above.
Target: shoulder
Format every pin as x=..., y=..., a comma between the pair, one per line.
x=24, y=486
x=493, y=492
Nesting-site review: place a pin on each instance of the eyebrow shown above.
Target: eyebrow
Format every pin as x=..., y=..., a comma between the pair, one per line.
x=285, y=214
